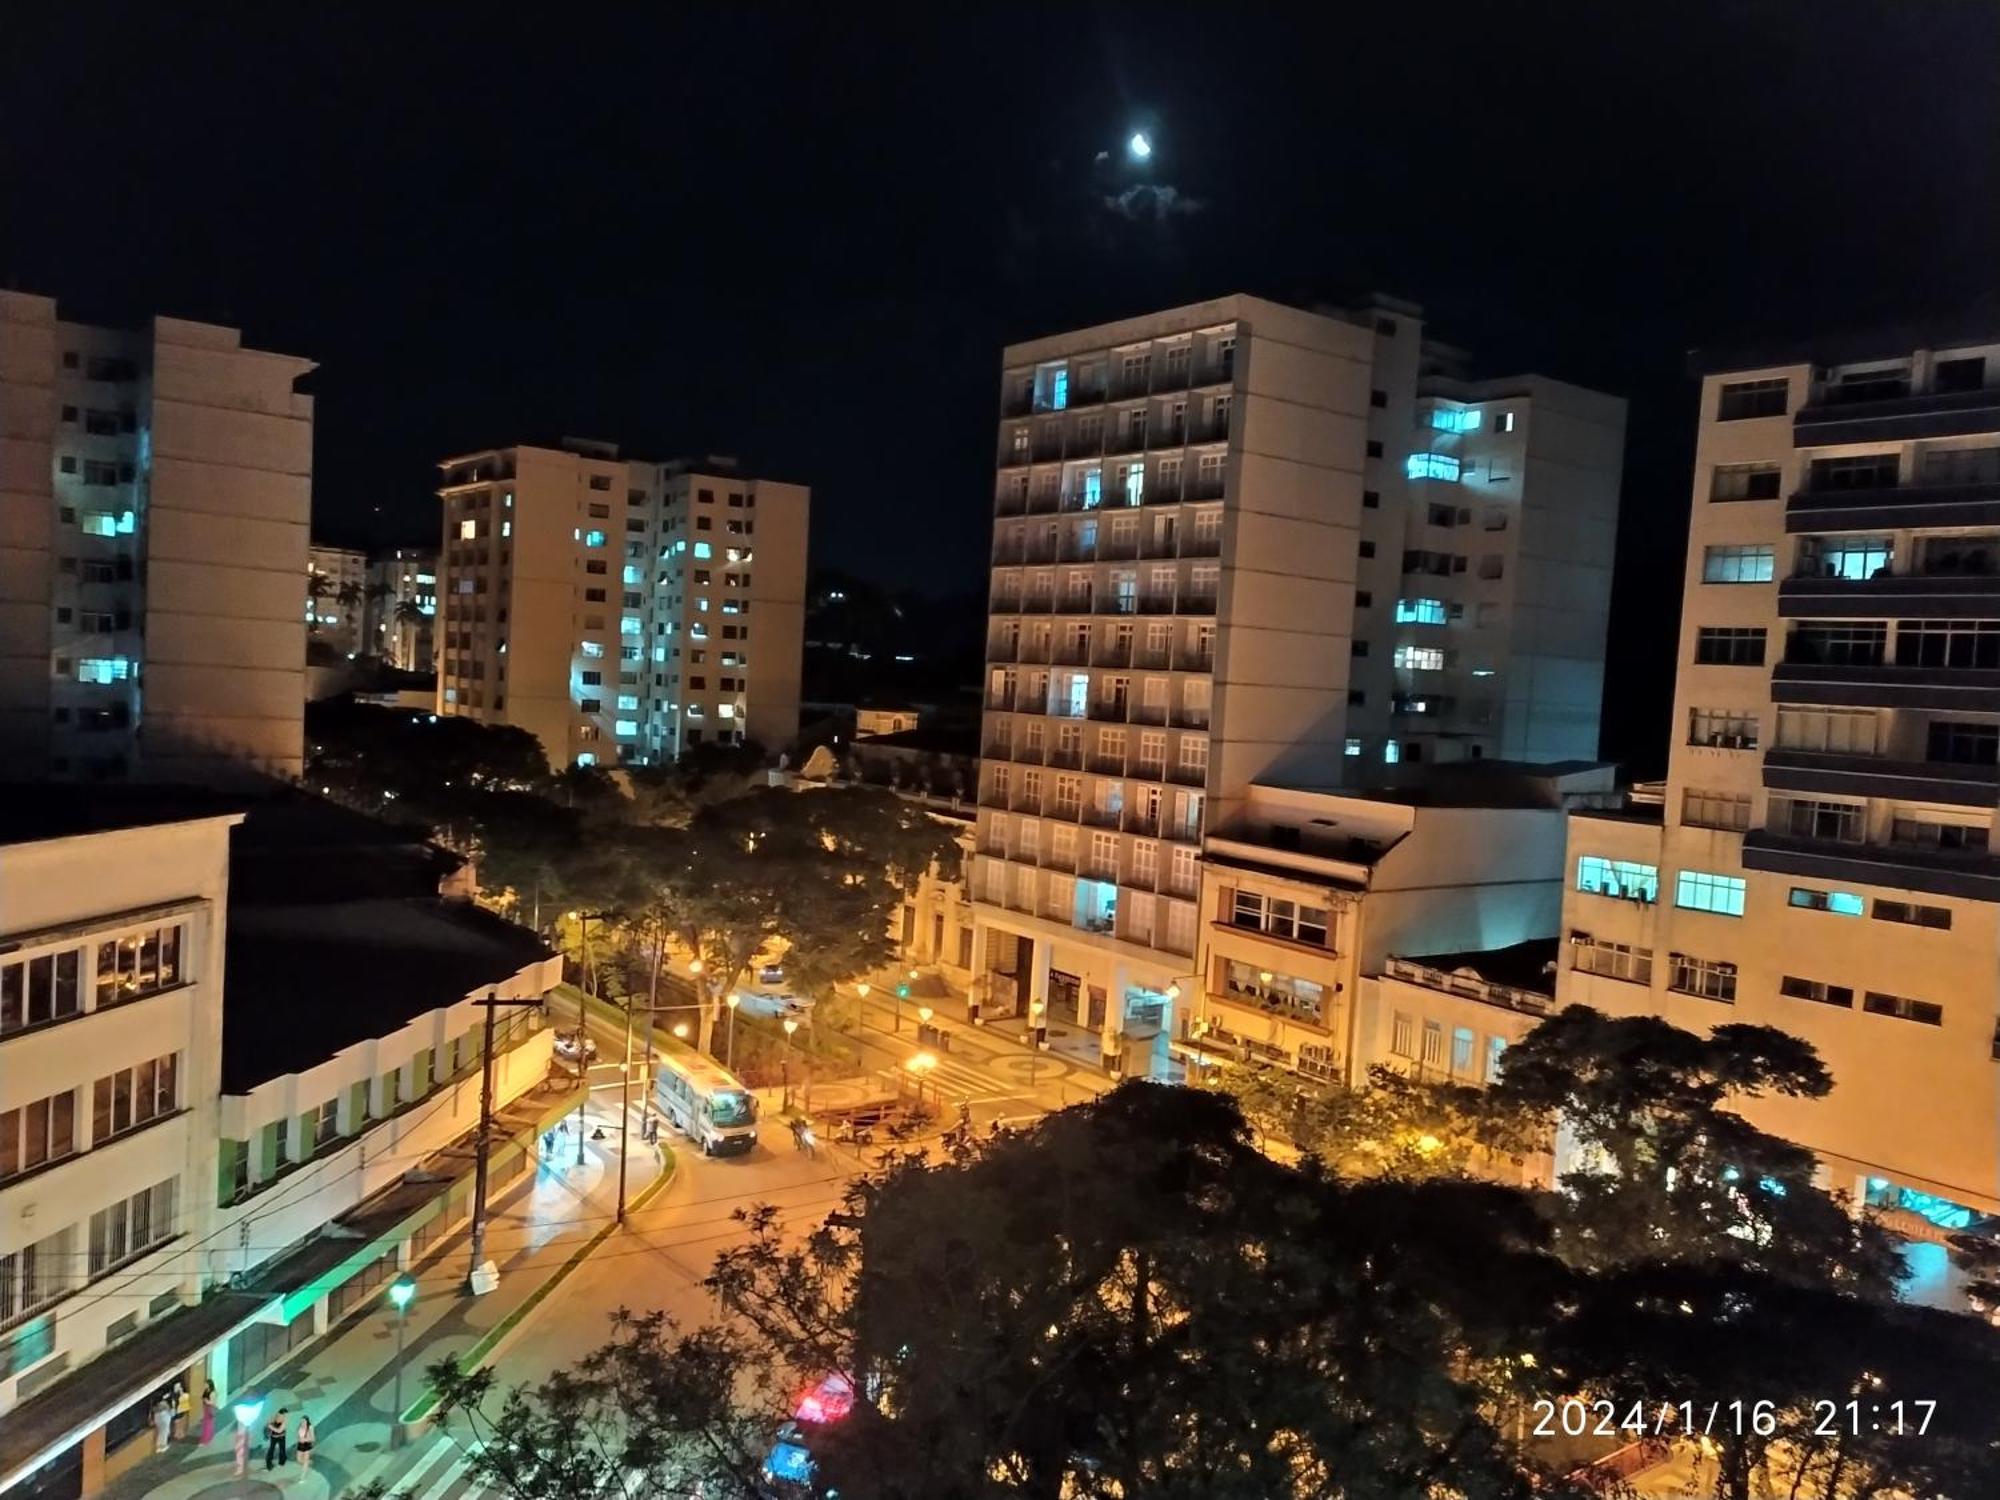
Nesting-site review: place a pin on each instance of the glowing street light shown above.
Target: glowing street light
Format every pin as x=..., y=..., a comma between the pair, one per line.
x=924, y=1014
x=791, y=1026
x=401, y=1292
x=694, y=966
x=730, y=1060
x=919, y=1065
x=247, y=1409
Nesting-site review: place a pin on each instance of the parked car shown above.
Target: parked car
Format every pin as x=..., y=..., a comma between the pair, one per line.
x=574, y=1047
x=771, y=974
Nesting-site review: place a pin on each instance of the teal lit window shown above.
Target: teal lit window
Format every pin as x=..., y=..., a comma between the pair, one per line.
x=626, y=728
x=1135, y=484
x=629, y=625
x=1059, y=390
x=103, y=669
x=1353, y=746
x=628, y=703
x=593, y=648
x=1840, y=903
x=634, y=573
x=1697, y=890
x=1432, y=466
x=1421, y=612
x=1625, y=878
x=1455, y=419
x=1749, y=563
x=1392, y=753
x=586, y=759
x=1093, y=488
x=703, y=550
x=593, y=539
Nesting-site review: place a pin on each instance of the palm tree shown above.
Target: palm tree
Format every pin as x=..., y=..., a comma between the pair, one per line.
x=409, y=612
x=349, y=594
x=317, y=587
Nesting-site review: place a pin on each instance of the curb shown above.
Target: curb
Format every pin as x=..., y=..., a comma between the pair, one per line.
x=419, y=1414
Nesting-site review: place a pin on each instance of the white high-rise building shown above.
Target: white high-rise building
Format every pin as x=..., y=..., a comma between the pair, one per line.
x=155, y=489
x=336, y=597
x=1239, y=542
x=1822, y=861
x=621, y=611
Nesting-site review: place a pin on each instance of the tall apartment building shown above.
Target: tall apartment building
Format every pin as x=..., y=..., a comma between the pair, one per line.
x=1237, y=542
x=1823, y=860
x=402, y=607
x=336, y=597
x=155, y=486
x=620, y=610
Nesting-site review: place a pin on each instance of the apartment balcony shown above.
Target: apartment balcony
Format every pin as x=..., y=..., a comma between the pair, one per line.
x=1077, y=604
x=1048, y=446
x=1060, y=859
x=1110, y=710
x=994, y=797
x=1019, y=405
x=1215, y=371
x=1942, y=782
x=1199, y=488
x=1102, y=817
x=1188, y=775
x=1117, y=549
x=1209, y=430
x=998, y=748
x=1131, y=387
x=1064, y=812
x=1166, y=492
x=999, y=651
x=1148, y=713
x=1071, y=654
x=1011, y=503
x=1015, y=456
x=1128, y=441
x=1197, y=604
x=1111, y=654
x=1117, y=604
x=1898, y=419
x=1156, y=604
x=1179, y=885
x=1099, y=869
x=1971, y=874
x=1160, y=546
x=1044, y=503
x=1198, y=545
x=1147, y=656
x=1040, y=550
x=1885, y=685
x=1085, y=395
x=1065, y=759
x=1034, y=649
x=1906, y=596
x=1192, y=659
x=1038, y=604
x=990, y=847
x=1146, y=825
x=1168, y=435
x=1902, y=508
x=1005, y=603
x=1010, y=551
x=1025, y=802
x=1106, y=765
x=1027, y=755
x=1188, y=716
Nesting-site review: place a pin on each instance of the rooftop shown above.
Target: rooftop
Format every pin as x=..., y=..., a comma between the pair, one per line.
x=962, y=740
x=1521, y=966
x=31, y=814
x=1964, y=328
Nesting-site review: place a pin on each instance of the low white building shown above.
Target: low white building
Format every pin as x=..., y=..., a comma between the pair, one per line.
x=227, y=1180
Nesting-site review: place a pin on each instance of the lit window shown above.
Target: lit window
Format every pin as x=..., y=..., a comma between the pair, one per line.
x=1419, y=659
x=1746, y=564
x=634, y=574
x=626, y=728
x=1093, y=488
x=727, y=710
x=593, y=539
x=1353, y=746
x=1392, y=753
x=593, y=648
x=104, y=523
x=103, y=669
x=629, y=625
x=1504, y=422
x=586, y=759
x=1625, y=878
x=1455, y=419
x=1135, y=484
x=1432, y=466
x=703, y=550
x=506, y=528
x=628, y=703
x=1697, y=890
x=468, y=530
x=1421, y=612
x=1841, y=903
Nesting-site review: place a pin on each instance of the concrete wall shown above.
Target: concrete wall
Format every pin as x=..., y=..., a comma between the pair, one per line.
x=777, y=618
x=229, y=503
x=27, y=520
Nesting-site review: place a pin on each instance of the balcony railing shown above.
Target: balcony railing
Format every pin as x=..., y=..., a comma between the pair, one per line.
x=1188, y=775
x=1197, y=604
x=1202, y=488
x=1209, y=430
x=1130, y=387
x=1059, y=859
x=1099, y=869
x=1028, y=754
x=998, y=651
x=1066, y=759
x=1160, y=546
x=1044, y=503
x=1127, y=441
x=998, y=749
x=1117, y=549
x=1029, y=802
x=1107, y=765
x=1166, y=492
x=1101, y=817
x=1110, y=710
x=1156, y=604
x=1148, y=656
x=1192, y=659
x=1145, y=824
x=1011, y=502
x=1531, y=1002
x=1199, y=544
x=1111, y=654
x=1009, y=552
x=994, y=796
x=1040, y=550
x=1148, y=713
x=1190, y=716
x=1072, y=653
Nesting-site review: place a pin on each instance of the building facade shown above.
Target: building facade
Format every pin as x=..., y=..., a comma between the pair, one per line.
x=1822, y=860
x=155, y=489
x=621, y=611
x=208, y=1126
x=1236, y=541
x=337, y=598
x=402, y=608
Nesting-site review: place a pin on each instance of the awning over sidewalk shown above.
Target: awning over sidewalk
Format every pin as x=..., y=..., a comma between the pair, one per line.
x=47, y=1423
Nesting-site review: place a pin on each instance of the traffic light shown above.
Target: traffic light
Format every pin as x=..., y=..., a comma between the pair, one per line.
x=902, y=992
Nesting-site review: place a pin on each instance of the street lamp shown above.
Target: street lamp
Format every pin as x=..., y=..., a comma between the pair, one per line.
x=247, y=1412
x=791, y=1025
x=919, y=1065
x=401, y=1291
x=730, y=1046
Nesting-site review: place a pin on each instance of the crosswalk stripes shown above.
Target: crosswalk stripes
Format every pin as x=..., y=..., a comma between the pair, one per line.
x=962, y=1080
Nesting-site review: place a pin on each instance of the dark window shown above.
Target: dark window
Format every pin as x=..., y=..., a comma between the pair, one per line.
x=593, y=679
x=1374, y=449
x=1371, y=499
x=1356, y=698
x=1386, y=327
x=1903, y=1008
x=704, y=523
x=600, y=481
x=1367, y=549
x=1816, y=990
x=1357, y=648
x=1912, y=915
x=590, y=705
x=1363, y=598
x=1378, y=398
x=1870, y=471
x=1750, y=398
x=1959, y=374
x=1730, y=646
x=1963, y=744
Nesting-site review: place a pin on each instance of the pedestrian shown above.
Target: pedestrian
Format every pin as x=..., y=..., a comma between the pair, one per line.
x=548, y=1142
x=183, y=1409
x=163, y=1423
x=208, y=1414
x=305, y=1444
x=274, y=1440
x=965, y=1115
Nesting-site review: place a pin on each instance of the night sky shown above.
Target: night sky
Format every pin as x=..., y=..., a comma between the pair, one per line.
x=801, y=234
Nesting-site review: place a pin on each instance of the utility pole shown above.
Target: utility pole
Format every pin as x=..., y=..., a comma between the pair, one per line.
x=490, y=1004
x=583, y=1036
x=625, y=1106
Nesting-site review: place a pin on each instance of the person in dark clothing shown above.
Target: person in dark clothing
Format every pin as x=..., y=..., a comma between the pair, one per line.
x=274, y=1440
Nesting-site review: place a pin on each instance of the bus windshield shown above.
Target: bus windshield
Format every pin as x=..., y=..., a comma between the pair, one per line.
x=732, y=1107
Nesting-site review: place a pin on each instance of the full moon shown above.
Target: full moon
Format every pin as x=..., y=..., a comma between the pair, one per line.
x=1139, y=146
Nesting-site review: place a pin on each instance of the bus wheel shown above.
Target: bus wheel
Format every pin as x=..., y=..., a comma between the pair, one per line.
x=708, y=1148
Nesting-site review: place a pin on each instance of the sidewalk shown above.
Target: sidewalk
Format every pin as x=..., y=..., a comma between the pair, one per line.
x=346, y=1379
